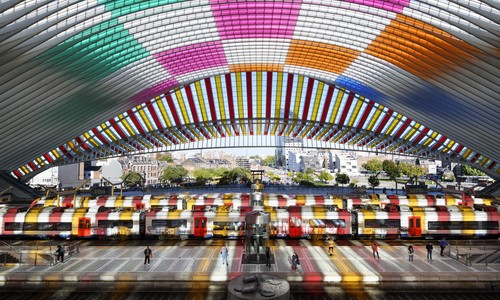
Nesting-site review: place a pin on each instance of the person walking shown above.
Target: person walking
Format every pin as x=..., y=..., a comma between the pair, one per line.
x=60, y=253
x=443, y=243
x=375, y=249
x=148, y=253
x=268, y=257
x=429, y=248
x=295, y=261
x=410, y=253
x=331, y=244
x=223, y=254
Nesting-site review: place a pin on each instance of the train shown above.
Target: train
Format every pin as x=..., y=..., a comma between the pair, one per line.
x=237, y=200
x=211, y=221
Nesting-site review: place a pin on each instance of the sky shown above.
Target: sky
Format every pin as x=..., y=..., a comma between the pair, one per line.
x=262, y=152
x=234, y=145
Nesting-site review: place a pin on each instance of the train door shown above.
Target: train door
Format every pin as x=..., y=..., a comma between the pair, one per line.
x=295, y=221
x=414, y=226
x=84, y=227
x=142, y=225
x=200, y=226
x=353, y=224
x=295, y=226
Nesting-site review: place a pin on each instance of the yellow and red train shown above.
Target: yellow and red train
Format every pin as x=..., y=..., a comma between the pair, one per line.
x=237, y=200
x=204, y=216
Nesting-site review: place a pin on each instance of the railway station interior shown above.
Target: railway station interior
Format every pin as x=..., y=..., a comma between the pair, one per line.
x=86, y=80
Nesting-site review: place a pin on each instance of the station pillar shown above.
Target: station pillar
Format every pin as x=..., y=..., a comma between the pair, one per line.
x=256, y=236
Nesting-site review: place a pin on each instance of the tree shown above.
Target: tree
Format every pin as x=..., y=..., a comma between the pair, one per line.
x=309, y=171
x=167, y=157
x=342, y=178
x=303, y=179
x=471, y=171
x=325, y=176
x=374, y=182
x=392, y=169
x=174, y=174
x=373, y=165
x=411, y=170
x=236, y=175
x=269, y=160
x=132, y=179
x=219, y=171
x=202, y=176
x=273, y=177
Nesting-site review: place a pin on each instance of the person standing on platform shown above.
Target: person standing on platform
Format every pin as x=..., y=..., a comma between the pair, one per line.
x=429, y=248
x=331, y=244
x=375, y=249
x=60, y=253
x=223, y=254
x=295, y=261
x=147, y=255
x=268, y=257
x=443, y=243
x=410, y=253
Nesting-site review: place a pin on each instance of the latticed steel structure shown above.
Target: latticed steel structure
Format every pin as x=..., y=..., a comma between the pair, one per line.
x=82, y=80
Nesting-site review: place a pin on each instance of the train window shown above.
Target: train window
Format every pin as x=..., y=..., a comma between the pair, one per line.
x=317, y=223
x=178, y=223
x=438, y=225
x=115, y=223
x=485, y=225
x=490, y=225
x=471, y=225
x=168, y=223
x=375, y=223
x=159, y=223
x=462, y=225
x=12, y=226
x=417, y=225
x=228, y=225
x=335, y=223
x=64, y=226
x=30, y=226
x=45, y=226
x=295, y=222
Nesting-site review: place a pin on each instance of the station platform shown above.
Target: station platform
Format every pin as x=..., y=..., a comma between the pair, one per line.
x=190, y=263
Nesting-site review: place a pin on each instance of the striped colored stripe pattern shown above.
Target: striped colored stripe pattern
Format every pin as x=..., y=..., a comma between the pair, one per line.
x=186, y=71
x=203, y=109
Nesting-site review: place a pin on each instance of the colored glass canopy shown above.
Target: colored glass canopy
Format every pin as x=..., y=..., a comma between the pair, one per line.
x=89, y=79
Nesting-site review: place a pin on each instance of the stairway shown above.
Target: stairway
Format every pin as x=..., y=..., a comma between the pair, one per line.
x=7, y=258
x=492, y=189
x=15, y=191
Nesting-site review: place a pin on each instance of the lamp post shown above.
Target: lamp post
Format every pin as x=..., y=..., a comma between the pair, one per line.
x=143, y=182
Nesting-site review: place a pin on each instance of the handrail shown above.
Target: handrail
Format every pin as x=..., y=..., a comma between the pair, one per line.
x=29, y=254
x=8, y=190
x=69, y=192
x=9, y=246
x=465, y=249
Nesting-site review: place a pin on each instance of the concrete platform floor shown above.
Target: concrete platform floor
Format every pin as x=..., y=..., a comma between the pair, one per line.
x=200, y=261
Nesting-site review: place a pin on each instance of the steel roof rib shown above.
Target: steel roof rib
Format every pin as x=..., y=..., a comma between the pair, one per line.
x=426, y=70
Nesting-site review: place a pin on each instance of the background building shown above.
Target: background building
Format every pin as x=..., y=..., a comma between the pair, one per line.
x=345, y=162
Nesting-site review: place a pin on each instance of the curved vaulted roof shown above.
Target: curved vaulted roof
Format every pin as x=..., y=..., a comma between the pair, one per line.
x=87, y=79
